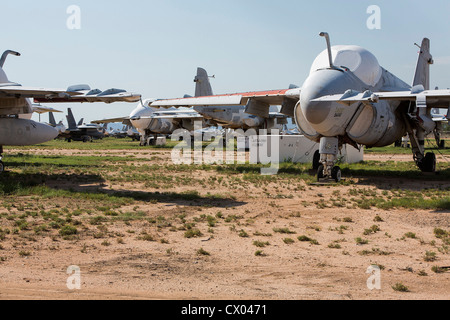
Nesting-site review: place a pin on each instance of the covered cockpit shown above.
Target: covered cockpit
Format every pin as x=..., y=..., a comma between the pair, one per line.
x=359, y=61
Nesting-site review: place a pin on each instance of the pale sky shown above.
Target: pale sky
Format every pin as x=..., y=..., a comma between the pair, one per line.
x=154, y=47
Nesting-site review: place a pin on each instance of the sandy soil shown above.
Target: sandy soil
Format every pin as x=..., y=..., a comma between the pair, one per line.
x=172, y=269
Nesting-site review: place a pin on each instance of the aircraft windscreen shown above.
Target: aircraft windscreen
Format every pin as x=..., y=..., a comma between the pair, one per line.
x=358, y=60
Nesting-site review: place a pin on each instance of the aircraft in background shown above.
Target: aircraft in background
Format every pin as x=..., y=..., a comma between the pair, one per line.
x=16, y=108
x=232, y=116
x=82, y=132
x=151, y=122
x=58, y=126
x=349, y=98
x=127, y=131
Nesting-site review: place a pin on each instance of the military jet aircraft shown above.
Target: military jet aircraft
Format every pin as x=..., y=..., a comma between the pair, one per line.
x=151, y=122
x=234, y=117
x=16, y=108
x=348, y=98
x=58, y=126
x=82, y=132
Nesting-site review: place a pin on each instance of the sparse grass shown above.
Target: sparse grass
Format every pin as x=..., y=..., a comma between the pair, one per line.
x=410, y=235
x=430, y=256
x=437, y=269
x=400, y=287
x=361, y=241
x=202, y=252
x=283, y=230
x=68, y=231
x=193, y=233
x=261, y=244
x=87, y=206
x=304, y=238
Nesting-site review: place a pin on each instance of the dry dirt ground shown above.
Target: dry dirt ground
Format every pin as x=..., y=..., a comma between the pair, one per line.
x=171, y=267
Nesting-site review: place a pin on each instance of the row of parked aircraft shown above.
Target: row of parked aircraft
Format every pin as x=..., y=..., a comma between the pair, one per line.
x=151, y=121
x=348, y=98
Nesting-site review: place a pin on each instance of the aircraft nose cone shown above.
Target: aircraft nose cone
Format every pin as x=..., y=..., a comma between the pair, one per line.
x=322, y=83
x=314, y=112
x=44, y=133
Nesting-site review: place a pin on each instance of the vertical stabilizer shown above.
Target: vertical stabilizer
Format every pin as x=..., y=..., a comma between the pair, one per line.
x=203, y=87
x=71, y=120
x=422, y=76
x=52, y=120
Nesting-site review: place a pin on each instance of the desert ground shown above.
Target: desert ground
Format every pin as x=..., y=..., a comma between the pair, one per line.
x=143, y=228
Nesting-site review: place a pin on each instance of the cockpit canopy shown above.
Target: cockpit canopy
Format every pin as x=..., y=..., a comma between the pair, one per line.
x=359, y=61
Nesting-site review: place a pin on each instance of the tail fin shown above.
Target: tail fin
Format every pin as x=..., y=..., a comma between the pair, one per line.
x=71, y=120
x=203, y=87
x=422, y=76
x=52, y=120
x=80, y=123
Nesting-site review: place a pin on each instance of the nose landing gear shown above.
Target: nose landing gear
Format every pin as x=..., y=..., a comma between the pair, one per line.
x=329, y=149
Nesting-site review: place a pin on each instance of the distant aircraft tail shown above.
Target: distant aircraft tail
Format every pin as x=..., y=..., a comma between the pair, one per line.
x=52, y=120
x=71, y=120
x=422, y=76
x=203, y=87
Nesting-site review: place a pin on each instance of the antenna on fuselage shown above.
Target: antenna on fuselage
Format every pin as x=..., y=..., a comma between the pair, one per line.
x=5, y=54
x=330, y=57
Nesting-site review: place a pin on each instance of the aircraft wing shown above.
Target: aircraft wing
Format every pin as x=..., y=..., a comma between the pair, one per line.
x=41, y=109
x=84, y=93
x=173, y=116
x=258, y=102
x=428, y=98
x=113, y=120
x=123, y=120
x=16, y=91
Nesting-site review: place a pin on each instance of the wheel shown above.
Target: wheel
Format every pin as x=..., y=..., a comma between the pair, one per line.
x=2, y=167
x=316, y=160
x=336, y=174
x=151, y=142
x=320, y=172
x=442, y=144
x=428, y=163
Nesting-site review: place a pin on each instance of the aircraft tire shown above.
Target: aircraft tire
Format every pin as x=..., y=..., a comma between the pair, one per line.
x=316, y=160
x=429, y=163
x=320, y=172
x=336, y=174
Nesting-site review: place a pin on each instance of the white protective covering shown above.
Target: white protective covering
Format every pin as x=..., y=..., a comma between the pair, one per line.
x=358, y=60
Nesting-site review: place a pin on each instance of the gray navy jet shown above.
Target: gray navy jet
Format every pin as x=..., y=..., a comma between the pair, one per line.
x=348, y=98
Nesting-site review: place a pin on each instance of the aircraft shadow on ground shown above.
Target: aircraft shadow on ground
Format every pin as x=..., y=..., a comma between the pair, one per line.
x=14, y=183
x=413, y=180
